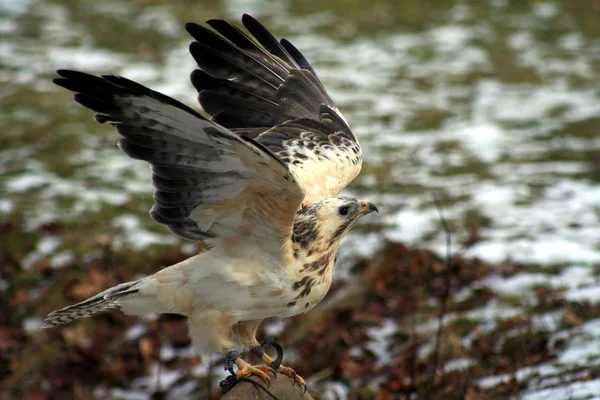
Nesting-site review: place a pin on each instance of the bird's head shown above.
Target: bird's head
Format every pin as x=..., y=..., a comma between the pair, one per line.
x=327, y=221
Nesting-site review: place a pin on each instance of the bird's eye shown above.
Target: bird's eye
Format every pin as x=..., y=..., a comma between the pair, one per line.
x=344, y=210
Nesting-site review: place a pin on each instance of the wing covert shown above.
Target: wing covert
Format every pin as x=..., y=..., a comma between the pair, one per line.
x=266, y=89
x=210, y=184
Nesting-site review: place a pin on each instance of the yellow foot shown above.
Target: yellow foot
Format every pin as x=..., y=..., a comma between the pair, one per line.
x=290, y=373
x=261, y=371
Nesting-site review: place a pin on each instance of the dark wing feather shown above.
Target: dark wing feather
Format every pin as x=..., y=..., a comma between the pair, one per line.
x=267, y=40
x=211, y=184
x=297, y=56
x=264, y=88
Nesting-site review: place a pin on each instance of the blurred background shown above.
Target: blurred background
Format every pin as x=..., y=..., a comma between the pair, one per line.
x=492, y=104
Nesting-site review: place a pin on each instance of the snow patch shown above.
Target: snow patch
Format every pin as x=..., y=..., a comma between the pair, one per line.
x=381, y=340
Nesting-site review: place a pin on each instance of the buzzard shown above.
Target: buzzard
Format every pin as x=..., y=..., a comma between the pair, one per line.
x=256, y=183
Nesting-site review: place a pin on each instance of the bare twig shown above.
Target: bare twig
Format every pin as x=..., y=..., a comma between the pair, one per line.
x=446, y=288
x=413, y=351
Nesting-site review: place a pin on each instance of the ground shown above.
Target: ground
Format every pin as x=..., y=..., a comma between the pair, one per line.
x=375, y=335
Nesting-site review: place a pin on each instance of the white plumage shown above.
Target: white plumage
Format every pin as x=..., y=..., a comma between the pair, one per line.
x=275, y=144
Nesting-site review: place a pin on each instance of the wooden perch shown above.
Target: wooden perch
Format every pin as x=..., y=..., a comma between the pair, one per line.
x=282, y=387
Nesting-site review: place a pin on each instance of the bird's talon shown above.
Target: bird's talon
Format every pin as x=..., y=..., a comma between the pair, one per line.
x=290, y=373
x=260, y=371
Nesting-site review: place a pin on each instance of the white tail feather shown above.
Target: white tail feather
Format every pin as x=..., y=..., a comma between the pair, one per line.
x=102, y=302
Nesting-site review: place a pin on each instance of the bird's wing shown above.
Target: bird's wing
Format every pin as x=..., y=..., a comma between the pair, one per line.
x=266, y=89
x=210, y=184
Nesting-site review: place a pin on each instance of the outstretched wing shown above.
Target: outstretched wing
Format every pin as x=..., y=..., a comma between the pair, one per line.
x=265, y=89
x=211, y=184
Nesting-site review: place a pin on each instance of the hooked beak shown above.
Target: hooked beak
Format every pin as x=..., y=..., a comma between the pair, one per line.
x=365, y=208
x=371, y=208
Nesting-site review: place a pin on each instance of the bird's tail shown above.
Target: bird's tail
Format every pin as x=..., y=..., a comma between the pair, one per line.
x=102, y=302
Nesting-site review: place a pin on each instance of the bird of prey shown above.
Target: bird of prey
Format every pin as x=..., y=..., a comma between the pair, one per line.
x=256, y=183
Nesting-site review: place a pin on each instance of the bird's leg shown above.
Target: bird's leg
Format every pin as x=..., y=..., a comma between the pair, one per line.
x=245, y=369
x=259, y=351
x=276, y=363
